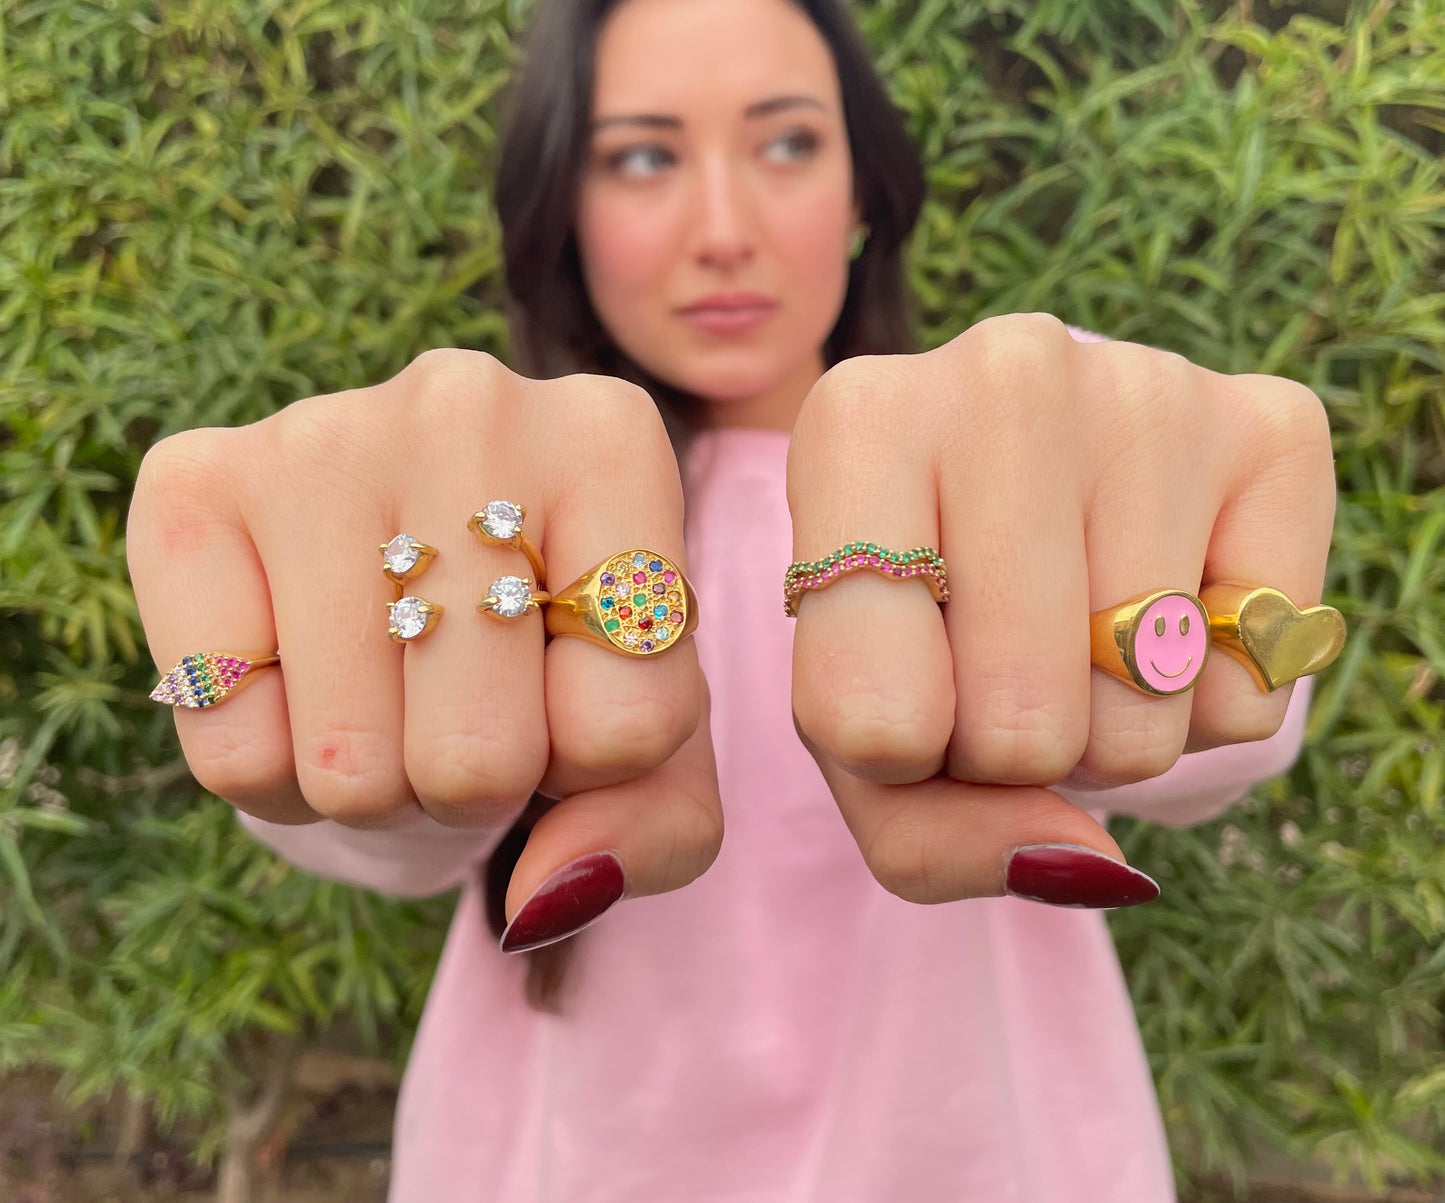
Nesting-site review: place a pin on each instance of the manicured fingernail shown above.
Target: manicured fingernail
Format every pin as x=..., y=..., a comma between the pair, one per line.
x=575, y=895
x=1072, y=875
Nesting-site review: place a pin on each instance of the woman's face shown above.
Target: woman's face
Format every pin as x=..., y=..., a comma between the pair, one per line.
x=718, y=163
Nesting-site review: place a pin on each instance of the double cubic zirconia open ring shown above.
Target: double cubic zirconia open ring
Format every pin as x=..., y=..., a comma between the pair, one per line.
x=411, y=616
x=636, y=602
x=500, y=523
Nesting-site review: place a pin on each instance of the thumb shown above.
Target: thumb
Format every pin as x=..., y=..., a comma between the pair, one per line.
x=592, y=849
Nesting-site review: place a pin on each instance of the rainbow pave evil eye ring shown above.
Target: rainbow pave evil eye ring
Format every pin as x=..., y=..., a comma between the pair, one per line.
x=635, y=602
x=204, y=679
x=1156, y=642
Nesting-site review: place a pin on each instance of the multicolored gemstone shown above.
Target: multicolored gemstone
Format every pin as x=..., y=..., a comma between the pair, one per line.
x=201, y=679
x=642, y=600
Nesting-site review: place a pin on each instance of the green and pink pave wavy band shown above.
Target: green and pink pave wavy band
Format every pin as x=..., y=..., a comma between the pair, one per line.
x=924, y=562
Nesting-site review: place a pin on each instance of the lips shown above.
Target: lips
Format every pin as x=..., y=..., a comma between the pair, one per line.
x=728, y=302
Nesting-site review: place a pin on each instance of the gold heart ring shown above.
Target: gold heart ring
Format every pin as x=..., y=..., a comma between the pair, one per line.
x=635, y=602
x=1267, y=633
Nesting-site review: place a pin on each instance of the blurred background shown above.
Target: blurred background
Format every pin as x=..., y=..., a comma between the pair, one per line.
x=211, y=208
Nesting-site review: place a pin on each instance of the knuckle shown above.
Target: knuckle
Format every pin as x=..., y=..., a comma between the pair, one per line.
x=446, y=366
x=1287, y=417
x=226, y=762
x=1132, y=747
x=631, y=735
x=1247, y=720
x=697, y=840
x=346, y=775
x=473, y=778
x=180, y=499
x=855, y=392
x=1025, y=733
x=614, y=419
x=1010, y=348
x=898, y=856
x=869, y=730
x=1145, y=384
x=318, y=432
x=180, y=467
x=453, y=388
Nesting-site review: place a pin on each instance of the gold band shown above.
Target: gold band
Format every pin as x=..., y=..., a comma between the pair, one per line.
x=636, y=602
x=500, y=523
x=1268, y=634
x=204, y=679
x=1156, y=642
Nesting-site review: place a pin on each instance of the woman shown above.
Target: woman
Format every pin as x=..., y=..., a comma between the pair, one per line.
x=793, y=1024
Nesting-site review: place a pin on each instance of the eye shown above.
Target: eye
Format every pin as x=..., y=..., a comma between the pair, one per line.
x=1159, y=625
x=617, y=159
x=1184, y=624
x=803, y=138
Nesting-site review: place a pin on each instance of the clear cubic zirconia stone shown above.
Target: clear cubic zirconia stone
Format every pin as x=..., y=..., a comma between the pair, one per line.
x=401, y=554
x=512, y=594
x=501, y=519
x=407, y=617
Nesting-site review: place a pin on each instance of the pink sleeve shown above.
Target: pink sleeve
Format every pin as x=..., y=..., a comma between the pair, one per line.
x=423, y=857
x=1201, y=785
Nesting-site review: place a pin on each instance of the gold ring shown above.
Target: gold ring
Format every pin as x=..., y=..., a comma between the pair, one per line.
x=500, y=522
x=512, y=596
x=209, y=678
x=1156, y=642
x=636, y=602
x=404, y=558
x=1267, y=633
x=411, y=618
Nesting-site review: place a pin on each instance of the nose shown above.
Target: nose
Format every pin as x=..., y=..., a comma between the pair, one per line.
x=724, y=223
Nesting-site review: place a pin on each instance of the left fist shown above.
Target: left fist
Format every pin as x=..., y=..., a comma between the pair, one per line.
x=1057, y=478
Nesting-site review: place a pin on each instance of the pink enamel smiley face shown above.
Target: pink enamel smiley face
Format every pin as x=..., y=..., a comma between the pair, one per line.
x=1170, y=643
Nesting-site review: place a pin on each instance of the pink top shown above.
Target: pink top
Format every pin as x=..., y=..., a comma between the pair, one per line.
x=781, y=1030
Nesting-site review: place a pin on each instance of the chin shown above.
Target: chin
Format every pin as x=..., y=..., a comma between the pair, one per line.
x=727, y=376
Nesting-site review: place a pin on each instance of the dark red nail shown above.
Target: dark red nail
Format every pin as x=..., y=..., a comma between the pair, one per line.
x=1071, y=875
x=566, y=902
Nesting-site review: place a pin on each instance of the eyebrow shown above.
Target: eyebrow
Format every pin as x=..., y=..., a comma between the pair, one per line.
x=662, y=121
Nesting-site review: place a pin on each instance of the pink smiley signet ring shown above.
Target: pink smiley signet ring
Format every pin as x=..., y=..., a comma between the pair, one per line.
x=1156, y=642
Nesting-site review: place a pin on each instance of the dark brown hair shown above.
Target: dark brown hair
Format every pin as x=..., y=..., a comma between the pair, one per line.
x=553, y=327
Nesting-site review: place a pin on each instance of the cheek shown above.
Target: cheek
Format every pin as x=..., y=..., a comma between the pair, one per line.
x=623, y=247
x=811, y=234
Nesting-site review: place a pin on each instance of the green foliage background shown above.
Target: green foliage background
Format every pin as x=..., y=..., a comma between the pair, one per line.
x=210, y=208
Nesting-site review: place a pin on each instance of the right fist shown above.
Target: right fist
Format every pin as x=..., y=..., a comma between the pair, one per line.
x=266, y=536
